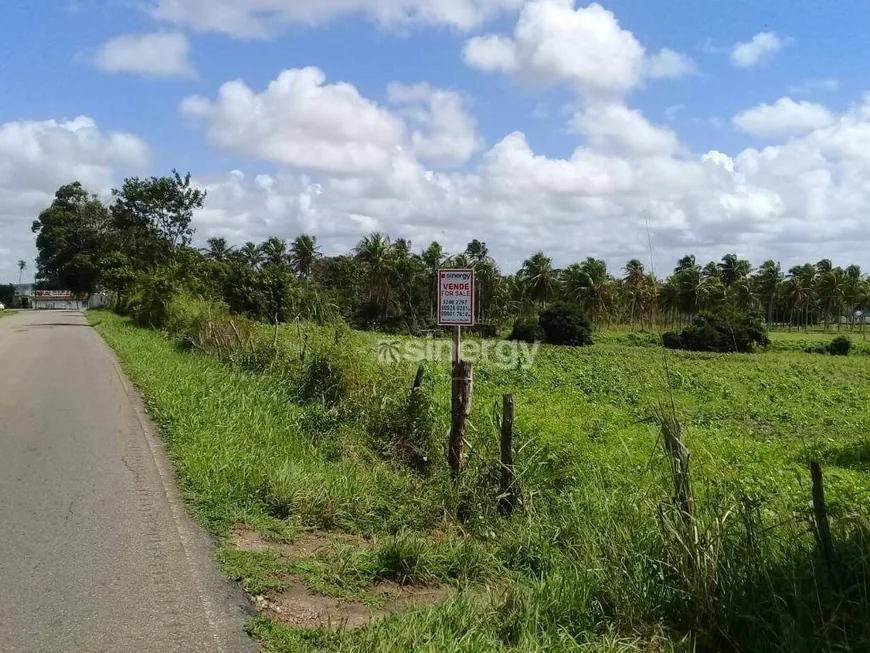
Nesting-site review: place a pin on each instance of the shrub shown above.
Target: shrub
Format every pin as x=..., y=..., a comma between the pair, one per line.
x=840, y=346
x=566, y=324
x=724, y=330
x=526, y=330
x=403, y=429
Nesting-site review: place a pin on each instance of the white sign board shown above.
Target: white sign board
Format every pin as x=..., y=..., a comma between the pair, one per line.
x=456, y=297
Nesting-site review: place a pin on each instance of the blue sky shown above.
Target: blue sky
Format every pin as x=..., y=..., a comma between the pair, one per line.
x=598, y=162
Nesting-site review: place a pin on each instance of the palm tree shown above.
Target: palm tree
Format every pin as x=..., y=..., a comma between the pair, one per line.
x=303, y=253
x=800, y=289
x=767, y=282
x=589, y=284
x=217, y=250
x=251, y=254
x=22, y=266
x=375, y=252
x=433, y=258
x=732, y=269
x=274, y=250
x=831, y=288
x=540, y=277
x=477, y=251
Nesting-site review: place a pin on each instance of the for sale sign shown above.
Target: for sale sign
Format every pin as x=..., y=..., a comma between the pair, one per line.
x=456, y=297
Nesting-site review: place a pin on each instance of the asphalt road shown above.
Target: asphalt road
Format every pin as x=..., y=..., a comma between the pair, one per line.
x=97, y=552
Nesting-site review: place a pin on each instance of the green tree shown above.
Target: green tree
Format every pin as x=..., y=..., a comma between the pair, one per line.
x=732, y=269
x=72, y=239
x=154, y=217
x=303, y=253
x=217, y=250
x=539, y=277
x=22, y=266
x=274, y=251
x=767, y=281
x=251, y=255
x=374, y=252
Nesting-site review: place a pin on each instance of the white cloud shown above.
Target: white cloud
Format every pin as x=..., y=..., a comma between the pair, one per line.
x=302, y=121
x=785, y=117
x=263, y=18
x=554, y=43
x=36, y=158
x=761, y=48
x=795, y=201
x=163, y=54
x=668, y=64
x=584, y=48
x=616, y=129
x=811, y=86
x=447, y=134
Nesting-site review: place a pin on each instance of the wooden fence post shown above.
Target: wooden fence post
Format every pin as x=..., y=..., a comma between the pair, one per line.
x=460, y=410
x=822, y=527
x=507, y=486
x=418, y=380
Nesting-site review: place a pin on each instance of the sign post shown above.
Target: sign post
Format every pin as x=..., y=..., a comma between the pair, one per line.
x=456, y=309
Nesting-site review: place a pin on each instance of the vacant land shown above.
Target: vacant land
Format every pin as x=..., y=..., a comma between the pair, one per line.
x=331, y=492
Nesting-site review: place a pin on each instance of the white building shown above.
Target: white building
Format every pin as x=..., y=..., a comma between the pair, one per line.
x=58, y=300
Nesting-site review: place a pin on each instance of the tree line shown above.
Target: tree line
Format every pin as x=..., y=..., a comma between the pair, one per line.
x=139, y=247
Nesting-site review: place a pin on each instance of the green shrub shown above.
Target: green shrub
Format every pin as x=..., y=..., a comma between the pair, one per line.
x=724, y=330
x=404, y=430
x=526, y=330
x=566, y=324
x=840, y=346
x=324, y=381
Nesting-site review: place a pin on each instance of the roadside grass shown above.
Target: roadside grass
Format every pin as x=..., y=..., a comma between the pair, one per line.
x=6, y=312
x=288, y=436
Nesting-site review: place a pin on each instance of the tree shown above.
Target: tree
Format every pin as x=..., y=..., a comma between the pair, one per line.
x=477, y=252
x=768, y=280
x=251, y=255
x=374, y=252
x=217, y=250
x=72, y=240
x=274, y=251
x=433, y=258
x=800, y=289
x=732, y=269
x=539, y=276
x=22, y=266
x=303, y=253
x=154, y=215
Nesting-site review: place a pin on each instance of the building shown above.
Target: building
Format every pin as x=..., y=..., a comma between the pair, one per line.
x=23, y=296
x=58, y=300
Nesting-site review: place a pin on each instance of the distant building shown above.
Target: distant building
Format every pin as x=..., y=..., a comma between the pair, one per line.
x=59, y=300
x=23, y=296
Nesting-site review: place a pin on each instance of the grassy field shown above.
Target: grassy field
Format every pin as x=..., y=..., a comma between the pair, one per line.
x=308, y=433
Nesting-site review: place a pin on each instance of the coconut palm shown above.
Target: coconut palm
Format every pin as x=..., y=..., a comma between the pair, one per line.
x=375, y=252
x=800, y=289
x=589, y=284
x=217, y=250
x=274, y=251
x=251, y=255
x=540, y=277
x=732, y=269
x=477, y=252
x=831, y=289
x=22, y=266
x=303, y=254
x=433, y=258
x=767, y=281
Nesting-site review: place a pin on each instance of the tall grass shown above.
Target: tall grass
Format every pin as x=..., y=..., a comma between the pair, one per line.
x=302, y=428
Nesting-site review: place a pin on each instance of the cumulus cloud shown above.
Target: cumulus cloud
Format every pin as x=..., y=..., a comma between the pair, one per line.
x=760, y=49
x=785, y=117
x=669, y=64
x=554, y=43
x=301, y=121
x=163, y=54
x=795, y=200
x=36, y=158
x=446, y=133
x=811, y=86
x=263, y=18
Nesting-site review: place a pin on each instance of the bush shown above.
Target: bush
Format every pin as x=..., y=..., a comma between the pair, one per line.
x=526, y=330
x=404, y=429
x=724, y=330
x=840, y=346
x=565, y=324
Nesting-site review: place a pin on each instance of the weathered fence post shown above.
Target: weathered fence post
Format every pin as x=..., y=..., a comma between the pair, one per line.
x=822, y=527
x=461, y=408
x=507, y=486
x=418, y=380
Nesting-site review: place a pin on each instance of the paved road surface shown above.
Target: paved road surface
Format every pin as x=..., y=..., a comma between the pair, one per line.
x=97, y=554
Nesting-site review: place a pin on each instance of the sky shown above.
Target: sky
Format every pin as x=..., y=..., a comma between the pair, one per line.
x=618, y=130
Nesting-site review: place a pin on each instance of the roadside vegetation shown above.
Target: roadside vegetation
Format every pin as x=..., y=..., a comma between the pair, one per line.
x=663, y=498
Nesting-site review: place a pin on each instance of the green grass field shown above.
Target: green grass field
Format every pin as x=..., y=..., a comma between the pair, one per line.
x=305, y=439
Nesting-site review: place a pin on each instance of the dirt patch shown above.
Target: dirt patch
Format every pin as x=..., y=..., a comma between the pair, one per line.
x=298, y=606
